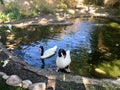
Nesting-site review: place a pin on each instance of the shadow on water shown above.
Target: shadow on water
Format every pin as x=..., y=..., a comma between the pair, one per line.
x=93, y=45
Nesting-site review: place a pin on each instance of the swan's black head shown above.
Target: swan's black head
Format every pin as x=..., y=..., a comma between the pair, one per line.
x=62, y=52
x=41, y=47
x=42, y=50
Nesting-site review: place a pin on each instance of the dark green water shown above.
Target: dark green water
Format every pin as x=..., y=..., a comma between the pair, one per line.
x=94, y=46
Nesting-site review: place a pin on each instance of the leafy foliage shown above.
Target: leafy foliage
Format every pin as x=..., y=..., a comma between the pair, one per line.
x=42, y=6
x=67, y=4
x=112, y=68
x=1, y=1
x=13, y=12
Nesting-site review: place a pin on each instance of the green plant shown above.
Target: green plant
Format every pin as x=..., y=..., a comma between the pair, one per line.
x=62, y=4
x=1, y=1
x=3, y=17
x=13, y=11
x=46, y=10
x=71, y=3
x=41, y=6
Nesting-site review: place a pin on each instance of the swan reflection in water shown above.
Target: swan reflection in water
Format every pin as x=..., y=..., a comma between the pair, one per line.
x=46, y=54
x=43, y=64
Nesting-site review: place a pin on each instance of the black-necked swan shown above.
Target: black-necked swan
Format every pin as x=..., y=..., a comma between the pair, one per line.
x=47, y=53
x=63, y=60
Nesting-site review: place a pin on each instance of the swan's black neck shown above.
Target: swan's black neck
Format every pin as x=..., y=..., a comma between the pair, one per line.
x=42, y=50
x=61, y=52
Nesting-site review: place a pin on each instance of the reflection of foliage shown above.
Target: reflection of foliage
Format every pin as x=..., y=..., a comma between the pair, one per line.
x=1, y=1
x=30, y=34
x=114, y=25
x=79, y=64
x=117, y=12
x=111, y=35
x=111, y=39
x=112, y=68
x=106, y=59
x=94, y=40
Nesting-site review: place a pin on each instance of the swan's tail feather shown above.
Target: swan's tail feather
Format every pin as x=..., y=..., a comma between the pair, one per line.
x=55, y=47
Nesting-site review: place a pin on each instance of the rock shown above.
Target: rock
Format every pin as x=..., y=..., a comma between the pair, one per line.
x=38, y=86
x=14, y=80
x=2, y=73
x=26, y=83
x=5, y=77
x=71, y=11
x=51, y=82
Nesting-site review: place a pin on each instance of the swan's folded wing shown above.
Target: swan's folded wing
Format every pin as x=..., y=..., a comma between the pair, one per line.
x=49, y=52
x=68, y=57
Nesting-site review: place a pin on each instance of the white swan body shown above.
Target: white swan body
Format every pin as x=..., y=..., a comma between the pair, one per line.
x=48, y=53
x=62, y=61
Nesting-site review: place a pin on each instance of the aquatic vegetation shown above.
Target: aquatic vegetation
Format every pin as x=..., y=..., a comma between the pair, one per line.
x=112, y=68
x=114, y=25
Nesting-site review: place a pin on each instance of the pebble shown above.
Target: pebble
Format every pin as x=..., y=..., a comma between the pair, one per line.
x=2, y=73
x=5, y=77
x=26, y=83
x=38, y=86
x=14, y=80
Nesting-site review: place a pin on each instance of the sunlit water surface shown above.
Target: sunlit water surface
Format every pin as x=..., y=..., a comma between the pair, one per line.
x=72, y=38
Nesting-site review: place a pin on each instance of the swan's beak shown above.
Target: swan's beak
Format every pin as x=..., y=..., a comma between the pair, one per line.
x=64, y=56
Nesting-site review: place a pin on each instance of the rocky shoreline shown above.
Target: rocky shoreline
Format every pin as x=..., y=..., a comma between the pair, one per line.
x=17, y=67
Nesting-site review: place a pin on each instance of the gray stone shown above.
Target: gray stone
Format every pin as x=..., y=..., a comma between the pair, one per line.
x=71, y=11
x=14, y=80
x=51, y=82
x=26, y=83
x=2, y=73
x=5, y=77
x=38, y=86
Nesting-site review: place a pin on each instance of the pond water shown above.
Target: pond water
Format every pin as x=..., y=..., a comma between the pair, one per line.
x=94, y=45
